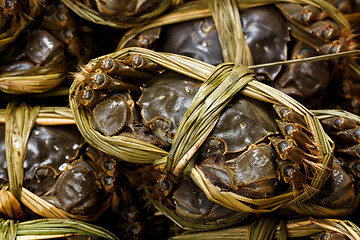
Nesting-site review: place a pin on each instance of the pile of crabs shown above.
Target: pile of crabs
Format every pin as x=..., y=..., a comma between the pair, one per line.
x=170, y=132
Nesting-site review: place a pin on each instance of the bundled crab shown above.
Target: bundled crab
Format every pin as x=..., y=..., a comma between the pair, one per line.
x=52, y=172
x=207, y=146
x=49, y=47
x=228, y=31
x=46, y=173
x=49, y=168
x=222, y=144
x=53, y=229
x=14, y=17
x=343, y=127
x=274, y=228
x=120, y=13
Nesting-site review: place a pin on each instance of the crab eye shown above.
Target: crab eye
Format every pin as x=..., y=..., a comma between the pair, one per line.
x=327, y=33
x=304, y=52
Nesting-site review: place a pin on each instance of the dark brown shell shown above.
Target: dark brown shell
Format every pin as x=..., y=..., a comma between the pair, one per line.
x=193, y=205
x=126, y=8
x=252, y=173
x=197, y=39
x=244, y=121
x=265, y=30
x=113, y=114
x=44, y=47
x=267, y=35
x=76, y=190
x=338, y=191
x=304, y=81
x=50, y=146
x=164, y=102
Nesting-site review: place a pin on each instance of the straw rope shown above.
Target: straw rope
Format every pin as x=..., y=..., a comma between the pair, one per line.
x=50, y=228
x=271, y=227
x=117, y=22
x=173, y=160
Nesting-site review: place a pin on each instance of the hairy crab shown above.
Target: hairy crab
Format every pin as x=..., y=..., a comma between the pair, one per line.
x=47, y=47
x=108, y=94
x=255, y=156
x=62, y=170
x=279, y=32
x=14, y=17
x=119, y=13
x=341, y=189
x=266, y=150
x=119, y=9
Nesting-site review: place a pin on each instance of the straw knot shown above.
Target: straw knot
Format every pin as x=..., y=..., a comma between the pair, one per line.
x=215, y=93
x=19, y=120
